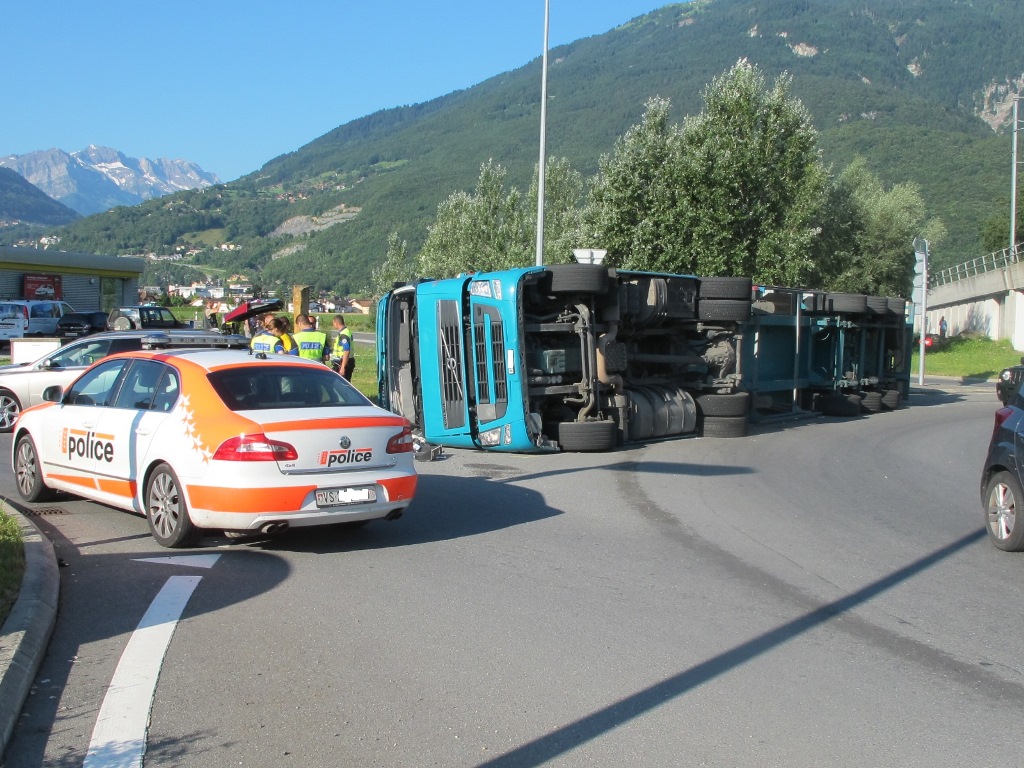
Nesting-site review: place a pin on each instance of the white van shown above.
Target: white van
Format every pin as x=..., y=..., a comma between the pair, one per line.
x=30, y=318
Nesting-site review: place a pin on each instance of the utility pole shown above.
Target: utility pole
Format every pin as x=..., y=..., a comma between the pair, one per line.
x=543, y=140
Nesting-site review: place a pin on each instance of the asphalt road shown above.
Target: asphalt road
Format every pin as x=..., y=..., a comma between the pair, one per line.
x=818, y=594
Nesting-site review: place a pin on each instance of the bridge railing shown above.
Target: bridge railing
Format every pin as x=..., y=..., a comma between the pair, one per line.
x=982, y=264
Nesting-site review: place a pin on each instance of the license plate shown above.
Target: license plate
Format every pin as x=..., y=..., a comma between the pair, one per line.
x=337, y=497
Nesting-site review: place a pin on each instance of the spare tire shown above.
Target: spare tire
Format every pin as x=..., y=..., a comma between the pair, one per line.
x=726, y=426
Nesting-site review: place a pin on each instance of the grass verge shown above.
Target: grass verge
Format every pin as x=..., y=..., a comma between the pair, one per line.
x=12, y=562
x=968, y=357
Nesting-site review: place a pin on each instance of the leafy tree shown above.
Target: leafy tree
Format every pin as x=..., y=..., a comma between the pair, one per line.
x=491, y=229
x=995, y=233
x=397, y=267
x=879, y=257
x=737, y=190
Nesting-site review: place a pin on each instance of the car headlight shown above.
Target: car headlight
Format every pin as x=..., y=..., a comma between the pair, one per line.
x=1005, y=375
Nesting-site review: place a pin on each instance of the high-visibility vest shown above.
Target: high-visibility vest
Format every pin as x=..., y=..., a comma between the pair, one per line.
x=311, y=344
x=347, y=333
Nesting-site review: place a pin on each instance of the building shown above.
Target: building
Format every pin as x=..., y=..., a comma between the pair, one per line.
x=85, y=281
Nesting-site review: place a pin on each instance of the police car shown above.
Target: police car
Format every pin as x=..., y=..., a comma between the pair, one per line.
x=201, y=439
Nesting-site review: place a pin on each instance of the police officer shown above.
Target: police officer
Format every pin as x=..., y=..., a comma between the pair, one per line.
x=312, y=343
x=343, y=358
x=274, y=338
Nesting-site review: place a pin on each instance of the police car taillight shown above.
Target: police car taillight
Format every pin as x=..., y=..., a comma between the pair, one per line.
x=255, y=448
x=402, y=442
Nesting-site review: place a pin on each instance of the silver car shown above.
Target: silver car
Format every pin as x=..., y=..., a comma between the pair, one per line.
x=22, y=385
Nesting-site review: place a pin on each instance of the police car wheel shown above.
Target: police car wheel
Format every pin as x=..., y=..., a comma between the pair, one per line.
x=9, y=409
x=166, y=510
x=28, y=473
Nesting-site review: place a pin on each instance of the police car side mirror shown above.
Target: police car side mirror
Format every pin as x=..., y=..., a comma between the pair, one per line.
x=53, y=394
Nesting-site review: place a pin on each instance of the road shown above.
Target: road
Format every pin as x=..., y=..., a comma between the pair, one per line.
x=818, y=594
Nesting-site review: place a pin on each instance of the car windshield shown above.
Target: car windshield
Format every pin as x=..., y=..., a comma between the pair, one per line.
x=259, y=388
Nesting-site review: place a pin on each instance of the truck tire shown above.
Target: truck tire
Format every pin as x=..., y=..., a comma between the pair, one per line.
x=577, y=278
x=896, y=305
x=735, y=404
x=872, y=402
x=846, y=302
x=587, y=436
x=878, y=305
x=840, y=405
x=729, y=310
x=725, y=426
x=891, y=399
x=736, y=288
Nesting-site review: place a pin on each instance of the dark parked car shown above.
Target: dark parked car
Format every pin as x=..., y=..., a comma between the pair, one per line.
x=144, y=316
x=1009, y=382
x=1002, y=485
x=78, y=324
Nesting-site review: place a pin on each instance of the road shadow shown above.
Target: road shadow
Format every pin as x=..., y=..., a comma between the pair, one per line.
x=444, y=508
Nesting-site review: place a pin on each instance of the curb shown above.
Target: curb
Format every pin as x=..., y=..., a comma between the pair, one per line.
x=26, y=633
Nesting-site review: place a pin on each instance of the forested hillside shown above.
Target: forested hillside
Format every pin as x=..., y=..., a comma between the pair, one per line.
x=906, y=84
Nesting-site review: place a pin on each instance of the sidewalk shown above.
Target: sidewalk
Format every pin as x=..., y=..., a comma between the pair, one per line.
x=26, y=633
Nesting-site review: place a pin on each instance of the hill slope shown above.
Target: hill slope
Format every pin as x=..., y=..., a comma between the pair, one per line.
x=915, y=86
x=21, y=202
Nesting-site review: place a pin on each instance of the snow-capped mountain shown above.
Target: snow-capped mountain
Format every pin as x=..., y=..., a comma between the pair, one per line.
x=97, y=178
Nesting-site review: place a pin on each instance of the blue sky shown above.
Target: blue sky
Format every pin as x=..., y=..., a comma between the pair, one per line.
x=231, y=85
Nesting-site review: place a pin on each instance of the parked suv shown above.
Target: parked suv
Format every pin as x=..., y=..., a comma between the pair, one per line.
x=144, y=316
x=77, y=324
x=30, y=318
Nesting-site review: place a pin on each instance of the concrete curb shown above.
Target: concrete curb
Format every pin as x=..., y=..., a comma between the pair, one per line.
x=26, y=633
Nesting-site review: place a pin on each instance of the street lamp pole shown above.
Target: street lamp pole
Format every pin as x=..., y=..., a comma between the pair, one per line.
x=1013, y=183
x=543, y=140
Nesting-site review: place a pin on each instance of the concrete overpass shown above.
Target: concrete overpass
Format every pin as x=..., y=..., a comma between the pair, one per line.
x=985, y=295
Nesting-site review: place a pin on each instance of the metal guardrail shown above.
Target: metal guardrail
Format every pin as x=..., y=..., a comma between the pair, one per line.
x=974, y=267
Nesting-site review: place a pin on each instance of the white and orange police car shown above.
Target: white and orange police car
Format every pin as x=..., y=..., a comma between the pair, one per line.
x=198, y=439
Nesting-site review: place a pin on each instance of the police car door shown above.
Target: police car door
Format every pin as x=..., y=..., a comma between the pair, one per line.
x=75, y=446
x=144, y=397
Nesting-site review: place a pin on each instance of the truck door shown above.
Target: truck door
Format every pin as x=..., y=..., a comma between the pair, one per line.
x=489, y=369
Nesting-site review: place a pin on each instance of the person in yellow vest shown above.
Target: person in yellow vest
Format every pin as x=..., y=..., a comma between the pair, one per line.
x=343, y=358
x=274, y=338
x=312, y=343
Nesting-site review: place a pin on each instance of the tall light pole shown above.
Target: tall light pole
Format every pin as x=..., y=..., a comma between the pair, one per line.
x=543, y=139
x=1013, y=183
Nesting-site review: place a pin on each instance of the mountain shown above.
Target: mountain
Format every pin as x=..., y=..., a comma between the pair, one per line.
x=920, y=88
x=22, y=203
x=98, y=178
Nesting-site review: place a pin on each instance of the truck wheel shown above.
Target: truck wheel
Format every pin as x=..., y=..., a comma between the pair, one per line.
x=872, y=402
x=891, y=399
x=737, y=288
x=840, y=405
x=847, y=302
x=735, y=404
x=577, y=278
x=879, y=305
x=587, y=435
x=729, y=310
x=725, y=426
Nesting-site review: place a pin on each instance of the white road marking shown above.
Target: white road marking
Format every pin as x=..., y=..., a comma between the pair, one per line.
x=119, y=738
x=194, y=561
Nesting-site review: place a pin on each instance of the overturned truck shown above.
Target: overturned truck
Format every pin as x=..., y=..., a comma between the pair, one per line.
x=581, y=357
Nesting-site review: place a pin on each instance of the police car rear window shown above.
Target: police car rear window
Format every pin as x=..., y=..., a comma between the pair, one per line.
x=255, y=388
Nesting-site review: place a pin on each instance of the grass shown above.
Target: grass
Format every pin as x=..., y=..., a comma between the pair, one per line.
x=12, y=562
x=968, y=357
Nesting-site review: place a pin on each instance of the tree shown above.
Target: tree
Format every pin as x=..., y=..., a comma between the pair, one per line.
x=491, y=229
x=738, y=190
x=397, y=267
x=879, y=257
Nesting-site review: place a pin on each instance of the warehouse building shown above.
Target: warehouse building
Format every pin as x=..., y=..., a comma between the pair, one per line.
x=85, y=281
